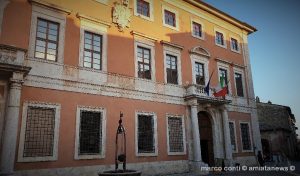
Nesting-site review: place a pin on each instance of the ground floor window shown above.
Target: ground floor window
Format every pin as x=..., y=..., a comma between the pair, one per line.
x=90, y=133
x=176, y=135
x=39, y=132
x=232, y=135
x=245, y=134
x=146, y=134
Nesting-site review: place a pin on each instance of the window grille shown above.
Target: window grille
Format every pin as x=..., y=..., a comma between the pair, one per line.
x=245, y=136
x=39, y=134
x=146, y=139
x=232, y=135
x=175, y=134
x=46, y=44
x=90, y=134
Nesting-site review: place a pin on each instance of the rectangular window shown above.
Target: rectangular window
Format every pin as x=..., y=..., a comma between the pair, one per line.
x=90, y=133
x=239, y=84
x=176, y=135
x=172, y=73
x=46, y=44
x=197, y=29
x=39, y=133
x=223, y=77
x=220, y=38
x=199, y=71
x=145, y=134
x=92, y=54
x=232, y=136
x=234, y=44
x=143, y=8
x=170, y=18
x=246, y=141
x=144, y=62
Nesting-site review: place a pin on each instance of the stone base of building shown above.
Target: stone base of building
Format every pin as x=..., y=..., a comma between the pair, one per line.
x=198, y=167
x=246, y=161
x=147, y=168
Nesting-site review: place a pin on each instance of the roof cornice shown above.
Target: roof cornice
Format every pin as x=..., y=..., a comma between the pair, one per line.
x=224, y=16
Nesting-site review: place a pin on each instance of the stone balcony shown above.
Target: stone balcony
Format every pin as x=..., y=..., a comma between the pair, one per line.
x=12, y=60
x=198, y=91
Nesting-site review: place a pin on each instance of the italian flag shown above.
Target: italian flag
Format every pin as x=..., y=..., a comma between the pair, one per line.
x=222, y=89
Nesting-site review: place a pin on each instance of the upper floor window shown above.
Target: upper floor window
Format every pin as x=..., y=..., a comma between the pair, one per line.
x=46, y=45
x=170, y=18
x=197, y=29
x=239, y=84
x=144, y=62
x=234, y=45
x=220, y=38
x=199, y=72
x=92, y=50
x=223, y=77
x=172, y=72
x=143, y=8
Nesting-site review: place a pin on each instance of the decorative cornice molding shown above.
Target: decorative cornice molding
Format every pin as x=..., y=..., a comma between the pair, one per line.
x=89, y=18
x=135, y=33
x=50, y=6
x=229, y=63
x=171, y=44
x=198, y=50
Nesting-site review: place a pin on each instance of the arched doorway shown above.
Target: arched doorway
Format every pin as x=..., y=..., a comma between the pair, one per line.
x=206, y=138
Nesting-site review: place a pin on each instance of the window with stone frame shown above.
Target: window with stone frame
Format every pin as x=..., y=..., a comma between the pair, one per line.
x=170, y=18
x=172, y=71
x=92, y=54
x=90, y=133
x=39, y=132
x=199, y=73
x=223, y=73
x=175, y=134
x=232, y=136
x=239, y=84
x=145, y=133
x=234, y=44
x=144, y=62
x=245, y=133
x=220, y=38
x=143, y=8
x=197, y=29
x=46, y=44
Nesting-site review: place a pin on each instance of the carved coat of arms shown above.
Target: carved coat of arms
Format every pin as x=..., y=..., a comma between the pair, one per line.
x=122, y=15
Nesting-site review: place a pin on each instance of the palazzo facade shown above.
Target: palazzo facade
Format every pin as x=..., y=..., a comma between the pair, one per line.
x=68, y=68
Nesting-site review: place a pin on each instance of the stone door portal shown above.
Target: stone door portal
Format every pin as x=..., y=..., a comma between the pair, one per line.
x=206, y=142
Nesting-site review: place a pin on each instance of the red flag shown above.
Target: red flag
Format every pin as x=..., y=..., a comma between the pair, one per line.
x=221, y=93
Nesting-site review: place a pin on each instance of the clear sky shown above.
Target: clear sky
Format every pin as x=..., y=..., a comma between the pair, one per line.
x=274, y=48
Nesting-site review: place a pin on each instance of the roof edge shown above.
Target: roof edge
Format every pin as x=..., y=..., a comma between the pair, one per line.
x=209, y=8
